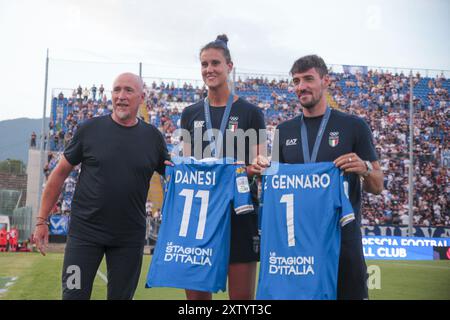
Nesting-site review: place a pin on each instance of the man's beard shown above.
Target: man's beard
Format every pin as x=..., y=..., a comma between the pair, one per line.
x=312, y=103
x=122, y=115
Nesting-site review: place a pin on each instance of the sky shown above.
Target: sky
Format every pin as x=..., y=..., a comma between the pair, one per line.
x=265, y=36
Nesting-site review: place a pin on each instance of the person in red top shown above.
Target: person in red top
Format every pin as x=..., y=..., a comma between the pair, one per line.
x=13, y=239
x=3, y=239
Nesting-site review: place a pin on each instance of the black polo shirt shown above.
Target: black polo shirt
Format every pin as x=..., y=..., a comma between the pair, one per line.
x=343, y=134
x=243, y=115
x=117, y=163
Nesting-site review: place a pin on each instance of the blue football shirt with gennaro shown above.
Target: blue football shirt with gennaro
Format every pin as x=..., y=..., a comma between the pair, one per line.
x=344, y=133
x=303, y=209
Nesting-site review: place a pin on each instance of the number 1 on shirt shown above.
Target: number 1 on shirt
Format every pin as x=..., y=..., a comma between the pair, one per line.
x=289, y=200
x=189, y=194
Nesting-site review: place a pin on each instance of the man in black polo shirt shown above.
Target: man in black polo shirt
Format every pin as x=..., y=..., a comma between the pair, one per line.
x=118, y=155
x=321, y=134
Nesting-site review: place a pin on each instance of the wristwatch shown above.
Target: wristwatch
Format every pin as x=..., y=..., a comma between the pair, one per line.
x=369, y=168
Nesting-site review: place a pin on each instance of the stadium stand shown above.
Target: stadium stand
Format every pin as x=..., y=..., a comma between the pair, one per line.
x=382, y=99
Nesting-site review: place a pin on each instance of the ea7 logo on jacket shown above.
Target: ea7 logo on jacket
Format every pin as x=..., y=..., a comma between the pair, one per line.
x=291, y=142
x=199, y=124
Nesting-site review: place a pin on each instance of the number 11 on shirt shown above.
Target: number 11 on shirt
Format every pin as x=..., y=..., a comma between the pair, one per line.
x=189, y=194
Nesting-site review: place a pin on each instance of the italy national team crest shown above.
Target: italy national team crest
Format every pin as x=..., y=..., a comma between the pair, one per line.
x=233, y=124
x=333, y=139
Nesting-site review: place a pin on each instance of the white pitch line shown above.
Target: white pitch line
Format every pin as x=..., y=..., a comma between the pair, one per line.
x=8, y=284
x=102, y=276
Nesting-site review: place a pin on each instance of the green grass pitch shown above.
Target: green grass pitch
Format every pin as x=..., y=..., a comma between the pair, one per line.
x=31, y=276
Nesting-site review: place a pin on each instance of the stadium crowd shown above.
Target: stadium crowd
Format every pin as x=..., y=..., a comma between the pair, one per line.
x=381, y=98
